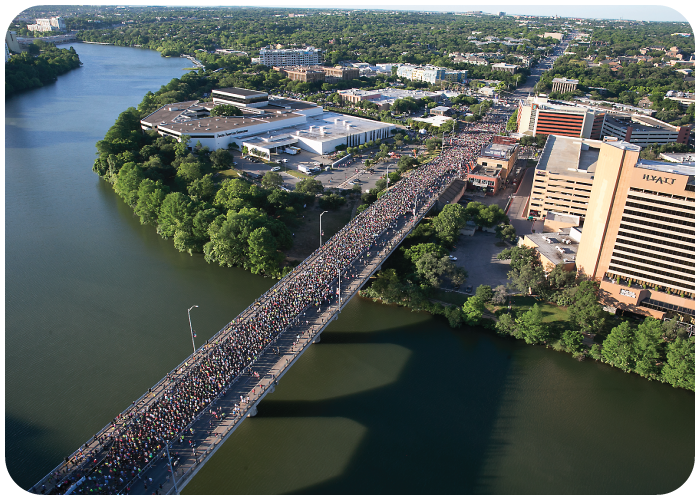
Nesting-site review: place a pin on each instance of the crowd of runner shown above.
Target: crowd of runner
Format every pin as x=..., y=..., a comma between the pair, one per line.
x=139, y=436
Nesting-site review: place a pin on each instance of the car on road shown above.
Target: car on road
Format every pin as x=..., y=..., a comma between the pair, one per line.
x=469, y=289
x=275, y=169
x=453, y=258
x=356, y=181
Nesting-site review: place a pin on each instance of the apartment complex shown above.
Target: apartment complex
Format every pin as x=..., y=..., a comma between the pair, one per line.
x=319, y=73
x=308, y=56
x=638, y=217
x=51, y=24
x=430, y=74
x=384, y=98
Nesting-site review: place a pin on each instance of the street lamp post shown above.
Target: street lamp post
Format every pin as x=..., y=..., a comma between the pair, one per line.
x=320, y=231
x=191, y=331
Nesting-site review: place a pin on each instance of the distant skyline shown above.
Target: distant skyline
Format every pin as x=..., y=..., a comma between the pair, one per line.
x=630, y=10
x=625, y=9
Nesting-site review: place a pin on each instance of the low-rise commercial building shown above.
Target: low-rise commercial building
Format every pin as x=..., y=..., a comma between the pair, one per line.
x=553, y=248
x=430, y=74
x=509, y=68
x=493, y=166
x=266, y=125
x=564, y=85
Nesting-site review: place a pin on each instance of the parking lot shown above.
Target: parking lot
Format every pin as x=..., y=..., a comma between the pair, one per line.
x=477, y=255
x=341, y=177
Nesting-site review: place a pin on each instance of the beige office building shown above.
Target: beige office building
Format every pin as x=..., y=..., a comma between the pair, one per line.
x=638, y=236
x=564, y=176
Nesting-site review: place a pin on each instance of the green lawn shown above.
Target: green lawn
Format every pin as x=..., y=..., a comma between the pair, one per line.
x=551, y=313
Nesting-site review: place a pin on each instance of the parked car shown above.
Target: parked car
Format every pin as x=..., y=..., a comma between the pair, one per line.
x=452, y=257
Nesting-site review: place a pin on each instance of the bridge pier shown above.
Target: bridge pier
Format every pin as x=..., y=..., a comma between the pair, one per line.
x=316, y=339
x=253, y=411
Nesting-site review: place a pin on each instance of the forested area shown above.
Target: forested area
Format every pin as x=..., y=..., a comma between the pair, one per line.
x=370, y=36
x=421, y=265
x=41, y=64
x=653, y=349
x=233, y=222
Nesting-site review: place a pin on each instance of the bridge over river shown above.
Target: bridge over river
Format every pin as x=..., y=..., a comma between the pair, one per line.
x=199, y=404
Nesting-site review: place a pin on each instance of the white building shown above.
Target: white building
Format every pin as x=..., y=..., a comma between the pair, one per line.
x=308, y=56
x=430, y=74
x=266, y=125
x=51, y=24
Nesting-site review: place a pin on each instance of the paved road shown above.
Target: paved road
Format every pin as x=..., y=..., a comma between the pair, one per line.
x=516, y=211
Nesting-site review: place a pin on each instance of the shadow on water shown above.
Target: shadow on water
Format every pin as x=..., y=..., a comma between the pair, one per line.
x=29, y=444
x=427, y=431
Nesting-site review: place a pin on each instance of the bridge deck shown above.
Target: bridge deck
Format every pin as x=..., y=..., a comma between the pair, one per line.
x=208, y=432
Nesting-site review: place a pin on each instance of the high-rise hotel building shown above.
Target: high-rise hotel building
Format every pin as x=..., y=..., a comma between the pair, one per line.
x=638, y=237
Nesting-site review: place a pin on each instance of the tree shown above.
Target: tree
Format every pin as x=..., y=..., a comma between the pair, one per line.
x=484, y=292
x=449, y=221
x=173, y=212
x=189, y=170
x=129, y=179
x=331, y=202
x=573, y=341
x=679, y=370
x=272, y=180
x=586, y=312
x=415, y=252
x=500, y=295
x=647, y=348
x=618, y=347
x=202, y=189
x=226, y=110
x=221, y=159
x=505, y=326
x=309, y=186
x=506, y=232
x=151, y=195
x=262, y=252
x=454, y=316
x=531, y=327
x=472, y=310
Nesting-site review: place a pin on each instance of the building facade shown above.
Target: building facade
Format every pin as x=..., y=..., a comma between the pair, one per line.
x=563, y=85
x=308, y=56
x=51, y=24
x=639, y=236
x=266, y=124
x=564, y=177
x=538, y=115
x=644, y=130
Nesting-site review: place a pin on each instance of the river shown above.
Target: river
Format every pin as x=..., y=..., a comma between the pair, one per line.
x=389, y=402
